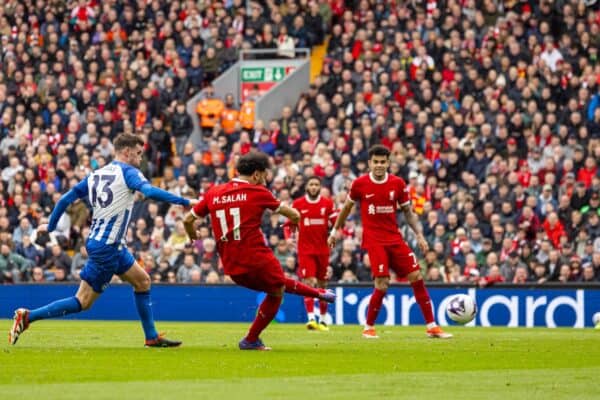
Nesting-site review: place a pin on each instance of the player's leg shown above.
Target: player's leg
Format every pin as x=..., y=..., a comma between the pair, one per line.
x=269, y=279
x=424, y=301
x=381, y=281
x=405, y=264
x=306, y=272
x=139, y=279
x=266, y=313
x=90, y=288
x=296, y=287
x=323, y=263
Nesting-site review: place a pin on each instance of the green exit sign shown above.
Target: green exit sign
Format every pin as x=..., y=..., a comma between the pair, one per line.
x=263, y=74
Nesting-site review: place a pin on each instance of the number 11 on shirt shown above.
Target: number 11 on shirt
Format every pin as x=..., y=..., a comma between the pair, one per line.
x=235, y=213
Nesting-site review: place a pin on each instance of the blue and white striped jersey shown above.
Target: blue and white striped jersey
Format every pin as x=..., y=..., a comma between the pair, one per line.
x=110, y=191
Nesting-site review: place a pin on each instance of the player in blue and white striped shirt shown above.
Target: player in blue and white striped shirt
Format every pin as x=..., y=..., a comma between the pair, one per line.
x=110, y=191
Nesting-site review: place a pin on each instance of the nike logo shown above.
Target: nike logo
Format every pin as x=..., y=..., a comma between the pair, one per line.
x=367, y=196
x=304, y=211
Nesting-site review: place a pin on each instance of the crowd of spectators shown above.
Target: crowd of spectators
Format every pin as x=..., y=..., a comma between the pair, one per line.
x=491, y=111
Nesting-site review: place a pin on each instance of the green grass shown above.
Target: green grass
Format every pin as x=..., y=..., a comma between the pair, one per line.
x=105, y=360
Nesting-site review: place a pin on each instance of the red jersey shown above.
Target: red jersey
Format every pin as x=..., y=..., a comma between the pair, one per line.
x=314, y=224
x=236, y=210
x=379, y=202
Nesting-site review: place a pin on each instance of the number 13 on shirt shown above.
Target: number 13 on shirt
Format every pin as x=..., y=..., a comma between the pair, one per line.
x=222, y=216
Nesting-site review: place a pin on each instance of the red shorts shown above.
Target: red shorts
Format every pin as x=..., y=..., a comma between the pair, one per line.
x=313, y=266
x=265, y=277
x=397, y=257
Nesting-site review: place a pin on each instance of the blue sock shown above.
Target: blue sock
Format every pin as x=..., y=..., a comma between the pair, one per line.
x=144, y=308
x=59, y=308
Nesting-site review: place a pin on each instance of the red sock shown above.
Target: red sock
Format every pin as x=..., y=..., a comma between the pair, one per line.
x=266, y=312
x=423, y=299
x=374, y=306
x=323, y=307
x=295, y=287
x=309, y=304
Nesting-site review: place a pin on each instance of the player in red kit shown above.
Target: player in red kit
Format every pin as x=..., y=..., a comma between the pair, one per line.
x=380, y=195
x=236, y=210
x=313, y=253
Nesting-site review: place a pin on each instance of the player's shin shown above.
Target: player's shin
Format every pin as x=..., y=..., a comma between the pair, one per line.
x=423, y=300
x=323, y=310
x=375, y=306
x=59, y=308
x=266, y=312
x=309, y=305
x=143, y=303
x=295, y=287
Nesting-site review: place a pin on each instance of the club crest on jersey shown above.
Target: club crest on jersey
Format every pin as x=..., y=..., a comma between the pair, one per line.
x=322, y=210
x=392, y=193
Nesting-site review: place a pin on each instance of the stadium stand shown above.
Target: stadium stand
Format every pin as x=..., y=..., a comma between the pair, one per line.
x=491, y=110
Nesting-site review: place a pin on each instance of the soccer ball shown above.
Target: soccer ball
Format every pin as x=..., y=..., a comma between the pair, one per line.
x=596, y=318
x=461, y=308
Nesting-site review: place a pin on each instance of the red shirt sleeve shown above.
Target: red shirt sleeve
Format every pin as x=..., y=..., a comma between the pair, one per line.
x=403, y=193
x=354, y=194
x=201, y=208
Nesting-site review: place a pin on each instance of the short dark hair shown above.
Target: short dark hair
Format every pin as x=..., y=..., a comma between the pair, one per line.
x=126, y=140
x=252, y=162
x=313, y=178
x=379, y=150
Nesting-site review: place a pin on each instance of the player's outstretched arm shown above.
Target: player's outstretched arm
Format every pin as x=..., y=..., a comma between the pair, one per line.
x=77, y=192
x=199, y=210
x=290, y=213
x=152, y=192
x=189, y=225
x=340, y=221
x=135, y=180
x=413, y=221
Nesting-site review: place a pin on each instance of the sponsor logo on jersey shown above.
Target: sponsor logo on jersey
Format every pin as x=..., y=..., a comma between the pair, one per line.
x=314, y=221
x=372, y=209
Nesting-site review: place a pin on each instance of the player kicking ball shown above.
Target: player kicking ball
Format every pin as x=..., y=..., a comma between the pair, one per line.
x=236, y=210
x=110, y=191
x=380, y=195
x=313, y=253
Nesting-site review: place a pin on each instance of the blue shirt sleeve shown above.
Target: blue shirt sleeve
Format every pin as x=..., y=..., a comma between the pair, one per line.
x=134, y=179
x=79, y=191
x=155, y=193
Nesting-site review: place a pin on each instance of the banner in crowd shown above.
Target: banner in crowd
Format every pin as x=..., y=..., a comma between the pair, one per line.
x=518, y=307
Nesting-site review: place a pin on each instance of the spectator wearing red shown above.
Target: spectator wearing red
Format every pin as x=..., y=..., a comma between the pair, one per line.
x=554, y=229
x=588, y=172
x=492, y=277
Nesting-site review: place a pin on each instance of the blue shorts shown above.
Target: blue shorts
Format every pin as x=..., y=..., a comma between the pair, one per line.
x=103, y=262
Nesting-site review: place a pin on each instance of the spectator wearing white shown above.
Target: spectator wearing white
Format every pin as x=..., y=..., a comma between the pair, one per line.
x=105, y=147
x=285, y=44
x=546, y=198
x=550, y=56
x=8, y=173
x=11, y=140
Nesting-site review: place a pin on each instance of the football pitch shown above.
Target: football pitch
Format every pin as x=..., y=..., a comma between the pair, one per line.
x=106, y=360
